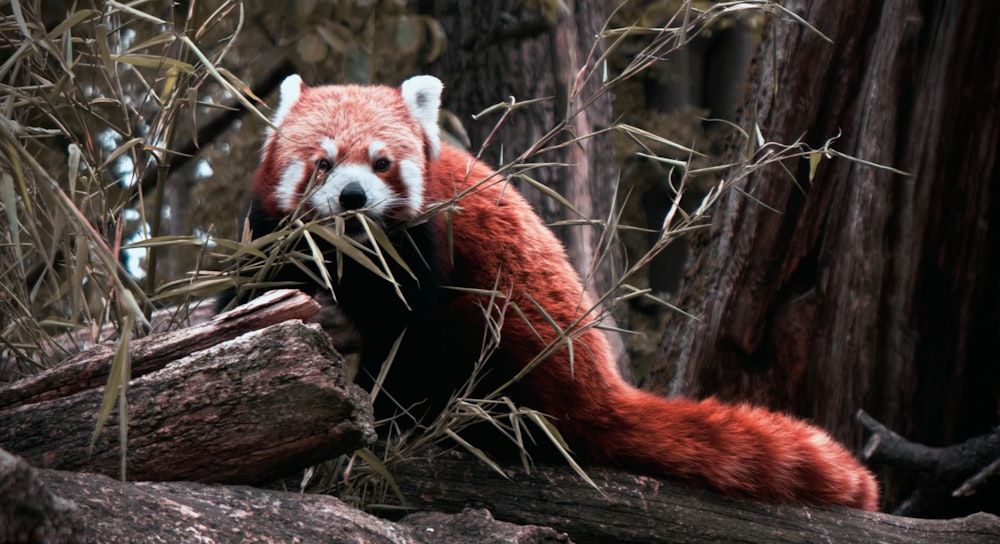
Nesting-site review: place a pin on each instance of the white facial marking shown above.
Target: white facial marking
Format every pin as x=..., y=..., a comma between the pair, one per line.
x=326, y=199
x=288, y=184
x=330, y=148
x=374, y=149
x=413, y=178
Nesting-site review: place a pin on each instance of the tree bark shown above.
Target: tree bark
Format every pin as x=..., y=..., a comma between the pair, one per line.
x=61, y=507
x=627, y=508
x=89, y=369
x=247, y=410
x=57, y=506
x=868, y=289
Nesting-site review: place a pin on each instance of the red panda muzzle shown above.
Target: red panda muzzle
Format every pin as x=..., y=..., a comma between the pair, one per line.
x=386, y=158
x=353, y=197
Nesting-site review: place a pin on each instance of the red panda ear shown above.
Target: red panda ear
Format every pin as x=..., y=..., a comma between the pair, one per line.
x=422, y=95
x=291, y=89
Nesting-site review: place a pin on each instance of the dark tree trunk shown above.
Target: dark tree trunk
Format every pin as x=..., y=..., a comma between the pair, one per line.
x=869, y=289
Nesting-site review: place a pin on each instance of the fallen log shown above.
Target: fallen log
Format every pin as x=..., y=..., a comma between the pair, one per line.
x=628, y=508
x=66, y=507
x=248, y=410
x=89, y=369
x=266, y=403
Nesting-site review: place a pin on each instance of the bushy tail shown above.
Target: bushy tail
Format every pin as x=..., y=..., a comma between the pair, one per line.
x=736, y=449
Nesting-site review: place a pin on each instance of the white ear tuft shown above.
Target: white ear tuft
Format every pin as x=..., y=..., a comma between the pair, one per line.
x=422, y=95
x=291, y=89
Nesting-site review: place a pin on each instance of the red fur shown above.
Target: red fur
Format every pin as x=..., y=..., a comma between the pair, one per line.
x=497, y=237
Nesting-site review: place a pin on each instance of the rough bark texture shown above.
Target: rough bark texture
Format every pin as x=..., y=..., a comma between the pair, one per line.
x=869, y=289
x=60, y=507
x=635, y=509
x=89, y=369
x=248, y=410
x=56, y=506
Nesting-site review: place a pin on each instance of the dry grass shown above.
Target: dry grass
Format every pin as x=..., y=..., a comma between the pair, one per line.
x=92, y=104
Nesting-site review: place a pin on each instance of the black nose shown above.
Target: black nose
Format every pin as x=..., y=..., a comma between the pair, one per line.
x=353, y=197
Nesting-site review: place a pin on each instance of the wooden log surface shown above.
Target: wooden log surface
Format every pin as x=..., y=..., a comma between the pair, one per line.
x=248, y=410
x=276, y=400
x=628, y=508
x=89, y=369
x=66, y=507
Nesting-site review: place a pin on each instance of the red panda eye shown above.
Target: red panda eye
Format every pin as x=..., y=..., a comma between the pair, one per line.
x=323, y=166
x=382, y=164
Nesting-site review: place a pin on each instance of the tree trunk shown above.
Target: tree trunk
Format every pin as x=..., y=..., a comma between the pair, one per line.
x=868, y=289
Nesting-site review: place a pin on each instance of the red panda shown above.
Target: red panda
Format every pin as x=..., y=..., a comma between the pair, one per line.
x=376, y=150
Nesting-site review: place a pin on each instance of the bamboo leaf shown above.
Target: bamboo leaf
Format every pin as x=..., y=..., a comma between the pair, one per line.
x=550, y=192
x=23, y=49
x=9, y=200
x=19, y=17
x=368, y=457
x=121, y=150
x=348, y=249
x=104, y=48
x=814, y=159
x=386, y=365
x=383, y=241
x=225, y=82
x=557, y=440
x=161, y=39
x=478, y=453
x=672, y=162
x=14, y=156
x=199, y=288
x=71, y=21
x=319, y=259
x=166, y=241
x=119, y=368
x=636, y=131
x=154, y=61
x=140, y=14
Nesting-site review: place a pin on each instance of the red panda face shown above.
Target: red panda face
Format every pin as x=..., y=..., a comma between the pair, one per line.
x=342, y=149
